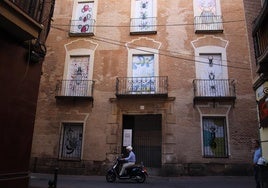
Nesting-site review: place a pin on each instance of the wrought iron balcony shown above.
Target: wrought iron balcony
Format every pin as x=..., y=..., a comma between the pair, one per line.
x=32, y=8
x=143, y=25
x=82, y=27
x=142, y=86
x=260, y=37
x=24, y=19
x=205, y=24
x=75, y=89
x=215, y=90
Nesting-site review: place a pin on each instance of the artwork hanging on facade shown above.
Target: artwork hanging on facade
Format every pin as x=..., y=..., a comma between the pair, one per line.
x=208, y=15
x=263, y=112
x=72, y=141
x=211, y=71
x=143, y=65
x=144, y=15
x=77, y=76
x=214, y=137
x=143, y=73
x=207, y=8
x=83, y=22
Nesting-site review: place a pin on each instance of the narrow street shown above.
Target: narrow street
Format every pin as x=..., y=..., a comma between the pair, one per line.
x=66, y=181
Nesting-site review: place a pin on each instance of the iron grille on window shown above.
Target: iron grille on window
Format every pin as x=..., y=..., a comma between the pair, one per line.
x=214, y=137
x=71, y=145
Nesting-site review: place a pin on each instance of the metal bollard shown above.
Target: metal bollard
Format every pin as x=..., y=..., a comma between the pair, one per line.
x=53, y=183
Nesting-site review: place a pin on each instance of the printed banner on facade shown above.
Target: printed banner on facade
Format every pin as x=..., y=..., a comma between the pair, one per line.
x=263, y=112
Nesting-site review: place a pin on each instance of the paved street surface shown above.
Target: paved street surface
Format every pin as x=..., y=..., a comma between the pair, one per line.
x=68, y=181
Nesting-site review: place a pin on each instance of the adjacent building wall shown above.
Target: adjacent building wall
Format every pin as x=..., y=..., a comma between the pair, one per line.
x=20, y=75
x=252, y=12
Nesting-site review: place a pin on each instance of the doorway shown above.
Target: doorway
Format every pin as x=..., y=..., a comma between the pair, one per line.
x=144, y=133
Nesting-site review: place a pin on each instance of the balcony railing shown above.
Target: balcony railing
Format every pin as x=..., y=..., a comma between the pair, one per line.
x=143, y=25
x=260, y=37
x=208, y=24
x=33, y=8
x=142, y=86
x=74, y=89
x=82, y=27
x=219, y=89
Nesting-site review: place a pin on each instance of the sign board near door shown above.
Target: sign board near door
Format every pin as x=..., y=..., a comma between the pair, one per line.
x=127, y=137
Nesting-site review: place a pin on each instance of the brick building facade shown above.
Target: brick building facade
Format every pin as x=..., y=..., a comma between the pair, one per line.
x=171, y=78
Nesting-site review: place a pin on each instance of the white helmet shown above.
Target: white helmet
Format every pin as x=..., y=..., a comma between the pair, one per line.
x=129, y=148
x=262, y=161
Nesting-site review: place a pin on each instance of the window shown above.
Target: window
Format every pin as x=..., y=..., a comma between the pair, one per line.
x=71, y=141
x=214, y=137
x=143, y=16
x=142, y=71
x=77, y=83
x=78, y=71
x=83, y=19
x=207, y=16
x=212, y=80
x=212, y=69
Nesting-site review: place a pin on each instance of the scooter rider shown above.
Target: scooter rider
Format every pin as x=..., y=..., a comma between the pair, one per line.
x=131, y=160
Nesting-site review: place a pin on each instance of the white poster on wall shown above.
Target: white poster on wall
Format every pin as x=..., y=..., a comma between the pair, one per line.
x=127, y=137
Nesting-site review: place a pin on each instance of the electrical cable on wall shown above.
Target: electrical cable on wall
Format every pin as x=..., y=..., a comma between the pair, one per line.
x=162, y=52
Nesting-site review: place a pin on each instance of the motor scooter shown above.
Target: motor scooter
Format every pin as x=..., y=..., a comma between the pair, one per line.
x=136, y=172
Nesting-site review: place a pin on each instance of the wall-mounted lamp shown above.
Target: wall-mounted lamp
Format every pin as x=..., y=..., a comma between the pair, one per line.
x=37, y=51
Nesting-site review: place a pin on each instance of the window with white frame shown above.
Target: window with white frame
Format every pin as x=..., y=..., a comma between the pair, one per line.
x=78, y=72
x=83, y=18
x=212, y=72
x=143, y=16
x=212, y=78
x=77, y=83
x=214, y=137
x=71, y=141
x=207, y=15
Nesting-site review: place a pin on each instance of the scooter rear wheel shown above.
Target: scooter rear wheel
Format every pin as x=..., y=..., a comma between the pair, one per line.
x=140, y=178
x=110, y=177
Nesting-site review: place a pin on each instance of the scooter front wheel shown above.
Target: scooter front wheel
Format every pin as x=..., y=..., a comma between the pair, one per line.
x=110, y=177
